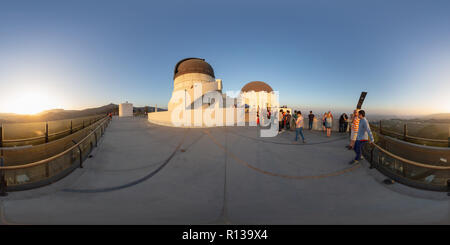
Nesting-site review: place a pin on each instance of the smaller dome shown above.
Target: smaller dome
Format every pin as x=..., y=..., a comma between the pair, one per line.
x=257, y=86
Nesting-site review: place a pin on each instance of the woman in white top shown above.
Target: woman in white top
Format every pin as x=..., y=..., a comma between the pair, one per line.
x=329, y=123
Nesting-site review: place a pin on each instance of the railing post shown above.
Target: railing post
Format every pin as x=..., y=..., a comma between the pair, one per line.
x=46, y=132
x=95, y=134
x=380, y=127
x=1, y=135
x=47, y=170
x=448, y=187
x=371, y=157
x=71, y=127
x=2, y=179
x=405, y=131
x=83, y=123
x=403, y=169
x=81, y=154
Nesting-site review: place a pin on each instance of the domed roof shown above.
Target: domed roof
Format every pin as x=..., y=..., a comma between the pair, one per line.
x=257, y=86
x=193, y=65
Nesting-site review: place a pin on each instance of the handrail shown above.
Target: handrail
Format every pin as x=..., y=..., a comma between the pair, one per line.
x=55, y=156
x=43, y=136
x=23, y=140
x=426, y=139
x=409, y=136
x=62, y=132
x=423, y=165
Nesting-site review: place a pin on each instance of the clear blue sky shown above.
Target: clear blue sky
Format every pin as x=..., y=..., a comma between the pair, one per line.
x=317, y=54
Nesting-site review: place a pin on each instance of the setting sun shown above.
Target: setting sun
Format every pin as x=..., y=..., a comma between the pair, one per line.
x=30, y=103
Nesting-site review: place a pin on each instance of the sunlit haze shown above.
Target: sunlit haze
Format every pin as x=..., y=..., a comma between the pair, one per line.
x=30, y=103
x=319, y=55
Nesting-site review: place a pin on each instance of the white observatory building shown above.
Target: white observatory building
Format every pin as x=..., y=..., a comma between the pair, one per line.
x=126, y=109
x=191, y=106
x=254, y=92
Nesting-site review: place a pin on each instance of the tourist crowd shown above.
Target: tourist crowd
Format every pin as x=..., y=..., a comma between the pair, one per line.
x=356, y=124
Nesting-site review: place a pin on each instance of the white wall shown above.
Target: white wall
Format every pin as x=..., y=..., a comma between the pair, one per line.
x=187, y=81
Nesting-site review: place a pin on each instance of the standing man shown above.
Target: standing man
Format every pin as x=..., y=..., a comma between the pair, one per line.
x=299, y=127
x=341, y=123
x=311, y=119
x=294, y=120
x=288, y=120
x=364, y=135
x=280, y=119
x=345, y=122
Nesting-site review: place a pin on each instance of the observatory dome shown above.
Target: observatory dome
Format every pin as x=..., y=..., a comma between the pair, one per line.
x=257, y=86
x=193, y=65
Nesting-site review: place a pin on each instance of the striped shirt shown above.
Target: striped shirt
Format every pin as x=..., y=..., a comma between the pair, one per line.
x=355, y=124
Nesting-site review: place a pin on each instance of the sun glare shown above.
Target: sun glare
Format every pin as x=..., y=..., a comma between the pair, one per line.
x=30, y=103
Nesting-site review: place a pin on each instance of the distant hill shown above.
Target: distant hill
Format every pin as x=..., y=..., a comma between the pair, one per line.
x=440, y=116
x=61, y=114
x=143, y=109
x=434, y=118
x=378, y=117
x=56, y=114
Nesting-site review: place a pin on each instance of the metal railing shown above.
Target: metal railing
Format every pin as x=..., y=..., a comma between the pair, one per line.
x=434, y=175
x=409, y=138
x=46, y=137
x=49, y=170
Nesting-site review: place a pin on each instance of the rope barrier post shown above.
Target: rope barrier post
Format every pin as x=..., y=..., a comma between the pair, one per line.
x=3, y=192
x=46, y=132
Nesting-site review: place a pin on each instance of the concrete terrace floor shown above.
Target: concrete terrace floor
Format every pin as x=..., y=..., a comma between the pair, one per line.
x=143, y=173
